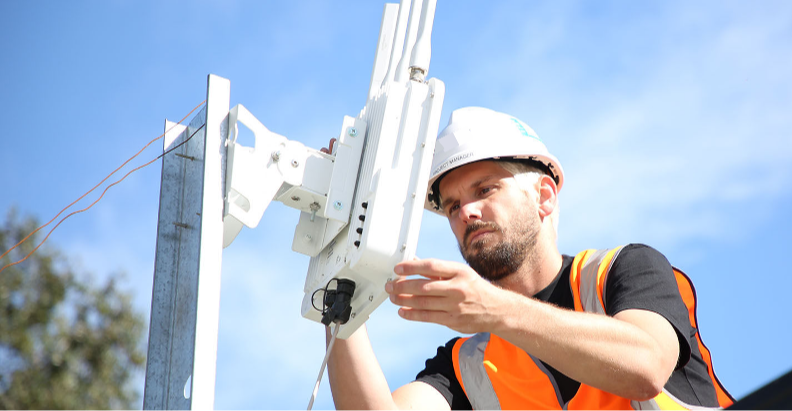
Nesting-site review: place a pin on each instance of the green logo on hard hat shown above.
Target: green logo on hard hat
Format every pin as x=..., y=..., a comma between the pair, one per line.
x=523, y=130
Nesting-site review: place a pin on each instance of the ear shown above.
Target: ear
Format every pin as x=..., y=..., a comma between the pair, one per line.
x=548, y=196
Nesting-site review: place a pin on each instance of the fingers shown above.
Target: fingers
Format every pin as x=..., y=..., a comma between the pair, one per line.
x=420, y=302
x=416, y=287
x=431, y=268
x=426, y=316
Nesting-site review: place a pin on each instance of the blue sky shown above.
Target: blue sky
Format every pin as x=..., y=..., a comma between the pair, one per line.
x=672, y=121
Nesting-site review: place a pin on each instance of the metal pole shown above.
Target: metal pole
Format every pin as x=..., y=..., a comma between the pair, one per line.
x=185, y=306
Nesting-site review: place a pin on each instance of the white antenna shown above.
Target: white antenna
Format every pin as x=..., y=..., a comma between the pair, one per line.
x=422, y=52
x=398, y=40
x=386, y=45
x=412, y=32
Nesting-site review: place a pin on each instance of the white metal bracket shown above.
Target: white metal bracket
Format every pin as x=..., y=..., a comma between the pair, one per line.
x=318, y=184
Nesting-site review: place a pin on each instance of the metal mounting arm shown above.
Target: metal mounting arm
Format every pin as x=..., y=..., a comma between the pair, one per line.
x=318, y=184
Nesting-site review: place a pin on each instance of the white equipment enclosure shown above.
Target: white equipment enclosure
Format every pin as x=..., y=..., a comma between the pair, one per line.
x=360, y=205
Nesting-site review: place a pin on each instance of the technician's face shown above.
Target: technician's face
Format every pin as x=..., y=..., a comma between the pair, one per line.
x=494, y=221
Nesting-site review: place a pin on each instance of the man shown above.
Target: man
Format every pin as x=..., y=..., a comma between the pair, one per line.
x=605, y=329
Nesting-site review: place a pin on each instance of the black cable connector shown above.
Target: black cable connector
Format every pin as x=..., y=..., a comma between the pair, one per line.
x=337, y=303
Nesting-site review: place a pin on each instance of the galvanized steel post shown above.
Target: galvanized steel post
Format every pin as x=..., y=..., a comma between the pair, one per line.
x=182, y=352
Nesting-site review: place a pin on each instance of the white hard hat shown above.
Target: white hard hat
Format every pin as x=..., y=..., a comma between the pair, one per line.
x=475, y=134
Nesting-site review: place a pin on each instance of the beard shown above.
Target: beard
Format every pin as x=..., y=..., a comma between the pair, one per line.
x=496, y=260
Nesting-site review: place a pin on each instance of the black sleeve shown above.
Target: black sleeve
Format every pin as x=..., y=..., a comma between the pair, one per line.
x=439, y=373
x=642, y=278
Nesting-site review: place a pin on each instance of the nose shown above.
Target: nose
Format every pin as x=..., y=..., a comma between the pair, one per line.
x=470, y=211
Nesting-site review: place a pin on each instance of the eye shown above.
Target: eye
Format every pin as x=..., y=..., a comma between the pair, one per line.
x=452, y=208
x=484, y=190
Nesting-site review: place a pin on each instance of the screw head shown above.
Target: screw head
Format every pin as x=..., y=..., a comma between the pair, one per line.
x=276, y=155
x=337, y=205
x=295, y=198
x=352, y=132
x=295, y=163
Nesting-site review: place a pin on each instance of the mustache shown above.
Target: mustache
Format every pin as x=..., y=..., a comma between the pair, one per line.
x=478, y=225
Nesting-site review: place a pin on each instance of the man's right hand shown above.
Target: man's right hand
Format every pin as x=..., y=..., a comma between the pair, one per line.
x=452, y=294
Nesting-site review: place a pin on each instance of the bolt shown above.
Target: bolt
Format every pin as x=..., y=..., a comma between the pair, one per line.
x=276, y=155
x=403, y=247
x=307, y=238
x=431, y=95
x=338, y=205
x=314, y=208
x=295, y=163
x=423, y=145
x=352, y=132
x=295, y=198
x=352, y=315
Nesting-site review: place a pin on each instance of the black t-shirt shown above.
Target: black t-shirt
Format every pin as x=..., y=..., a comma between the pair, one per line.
x=640, y=278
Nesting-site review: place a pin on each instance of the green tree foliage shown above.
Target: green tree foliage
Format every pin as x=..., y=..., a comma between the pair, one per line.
x=65, y=343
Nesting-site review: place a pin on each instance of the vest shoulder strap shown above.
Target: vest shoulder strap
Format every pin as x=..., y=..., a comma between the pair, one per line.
x=588, y=276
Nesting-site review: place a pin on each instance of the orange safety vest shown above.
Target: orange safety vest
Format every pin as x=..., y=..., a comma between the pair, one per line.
x=496, y=374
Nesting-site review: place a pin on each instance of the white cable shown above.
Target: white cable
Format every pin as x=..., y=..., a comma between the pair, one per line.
x=324, y=363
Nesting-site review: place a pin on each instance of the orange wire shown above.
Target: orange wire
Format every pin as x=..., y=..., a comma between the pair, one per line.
x=97, y=200
x=94, y=188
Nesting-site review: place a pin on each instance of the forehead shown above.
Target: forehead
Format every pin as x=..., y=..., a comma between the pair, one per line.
x=470, y=175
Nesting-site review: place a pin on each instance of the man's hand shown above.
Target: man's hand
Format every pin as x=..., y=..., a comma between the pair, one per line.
x=451, y=294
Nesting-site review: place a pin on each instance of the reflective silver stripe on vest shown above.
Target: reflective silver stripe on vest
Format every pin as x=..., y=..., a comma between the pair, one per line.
x=653, y=405
x=588, y=281
x=478, y=386
x=644, y=405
